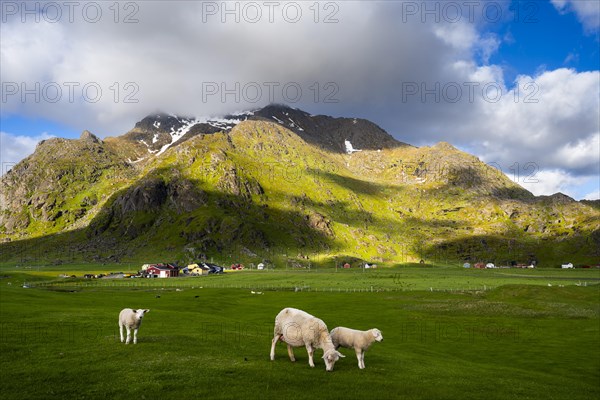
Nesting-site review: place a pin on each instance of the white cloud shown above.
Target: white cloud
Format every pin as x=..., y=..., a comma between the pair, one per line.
x=367, y=54
x=13, y=148
x=551, y=119
x=581, y=154
x=572, y=57
x=587, y=11
x=595, y=195
x=547, y=182
x=372, y=56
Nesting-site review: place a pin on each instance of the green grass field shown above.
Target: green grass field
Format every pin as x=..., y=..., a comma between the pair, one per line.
x=449, y=333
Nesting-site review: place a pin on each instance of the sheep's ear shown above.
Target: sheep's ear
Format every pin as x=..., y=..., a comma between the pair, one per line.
x=146, y=310
x=340, y=355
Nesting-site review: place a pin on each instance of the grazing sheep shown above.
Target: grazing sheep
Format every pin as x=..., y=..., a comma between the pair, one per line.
x=358, y=340
x=130, y=319
x=298, y=328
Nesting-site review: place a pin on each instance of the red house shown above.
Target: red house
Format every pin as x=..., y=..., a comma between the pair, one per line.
x=162, y=271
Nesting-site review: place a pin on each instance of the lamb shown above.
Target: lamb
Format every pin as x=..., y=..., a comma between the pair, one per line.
x=359, y=340
x=298, y=328
x=130, y=319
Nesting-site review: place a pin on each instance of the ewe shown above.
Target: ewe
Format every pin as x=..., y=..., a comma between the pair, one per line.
x=358, y=340
x=298, y=328
x=130, y=319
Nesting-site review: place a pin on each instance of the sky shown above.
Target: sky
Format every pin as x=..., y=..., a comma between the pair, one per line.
x=516, y=83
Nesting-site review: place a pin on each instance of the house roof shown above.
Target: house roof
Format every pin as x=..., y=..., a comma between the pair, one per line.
x=201, y=266
x=162, y=267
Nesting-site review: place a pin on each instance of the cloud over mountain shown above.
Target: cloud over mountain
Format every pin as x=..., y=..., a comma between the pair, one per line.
x=423, y=79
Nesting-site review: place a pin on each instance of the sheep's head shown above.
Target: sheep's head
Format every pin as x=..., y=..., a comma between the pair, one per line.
x=140, y=313
x=377, y=334
x=330, y=357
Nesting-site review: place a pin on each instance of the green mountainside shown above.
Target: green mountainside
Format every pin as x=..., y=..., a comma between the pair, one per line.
x=278, y=184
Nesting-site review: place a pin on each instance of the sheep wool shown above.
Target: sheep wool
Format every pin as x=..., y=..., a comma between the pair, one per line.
x=360, y=341
x=298, y=328
x=131, y=320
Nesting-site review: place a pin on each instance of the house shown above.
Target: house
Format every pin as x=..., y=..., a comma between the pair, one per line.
x=162, y=271
x=198, y=269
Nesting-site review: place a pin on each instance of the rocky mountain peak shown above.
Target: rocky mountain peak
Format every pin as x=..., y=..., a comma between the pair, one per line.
x=157, y=132
x=89, y=137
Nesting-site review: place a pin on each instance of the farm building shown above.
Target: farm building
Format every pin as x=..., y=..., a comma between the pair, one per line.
x=198, y=269
x=162, y=271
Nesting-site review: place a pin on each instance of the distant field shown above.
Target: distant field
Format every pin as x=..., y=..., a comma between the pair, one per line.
x=390, y=279
x=449, y=333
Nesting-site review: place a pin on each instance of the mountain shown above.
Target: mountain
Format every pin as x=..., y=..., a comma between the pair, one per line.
x=276, y=183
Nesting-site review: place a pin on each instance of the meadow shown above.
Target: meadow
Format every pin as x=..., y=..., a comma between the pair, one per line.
x=449, y=333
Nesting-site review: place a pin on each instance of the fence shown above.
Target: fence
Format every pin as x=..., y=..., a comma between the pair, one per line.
x=187, y=284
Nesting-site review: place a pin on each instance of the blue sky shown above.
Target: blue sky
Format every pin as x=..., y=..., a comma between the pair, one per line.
x=543, y=38
x=370, y=54
x=23, y=126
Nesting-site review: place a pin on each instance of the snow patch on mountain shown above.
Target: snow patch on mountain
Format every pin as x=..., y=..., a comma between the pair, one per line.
x=294, y=124
x=178, y=134
x=223, y=123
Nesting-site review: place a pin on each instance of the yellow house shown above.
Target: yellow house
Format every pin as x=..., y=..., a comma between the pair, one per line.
x=197, y=269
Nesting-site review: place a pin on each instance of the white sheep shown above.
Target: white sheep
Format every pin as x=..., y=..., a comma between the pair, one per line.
x=130, y=319
x=358, y=340
x=298, y=328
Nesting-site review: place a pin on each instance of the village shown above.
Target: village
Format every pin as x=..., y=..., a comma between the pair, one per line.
x=171, y=270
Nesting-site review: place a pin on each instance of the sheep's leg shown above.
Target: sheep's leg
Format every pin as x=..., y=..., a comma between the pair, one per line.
x=362, y=359
x=310, y=351
x=121, y=332
x=128, y=335
x=360, y=356
x=291, y=353
x=135, y=335
x=273, y=343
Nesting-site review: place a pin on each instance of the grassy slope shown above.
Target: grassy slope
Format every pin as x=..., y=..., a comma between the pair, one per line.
x=513, y=342
x=377, y=211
